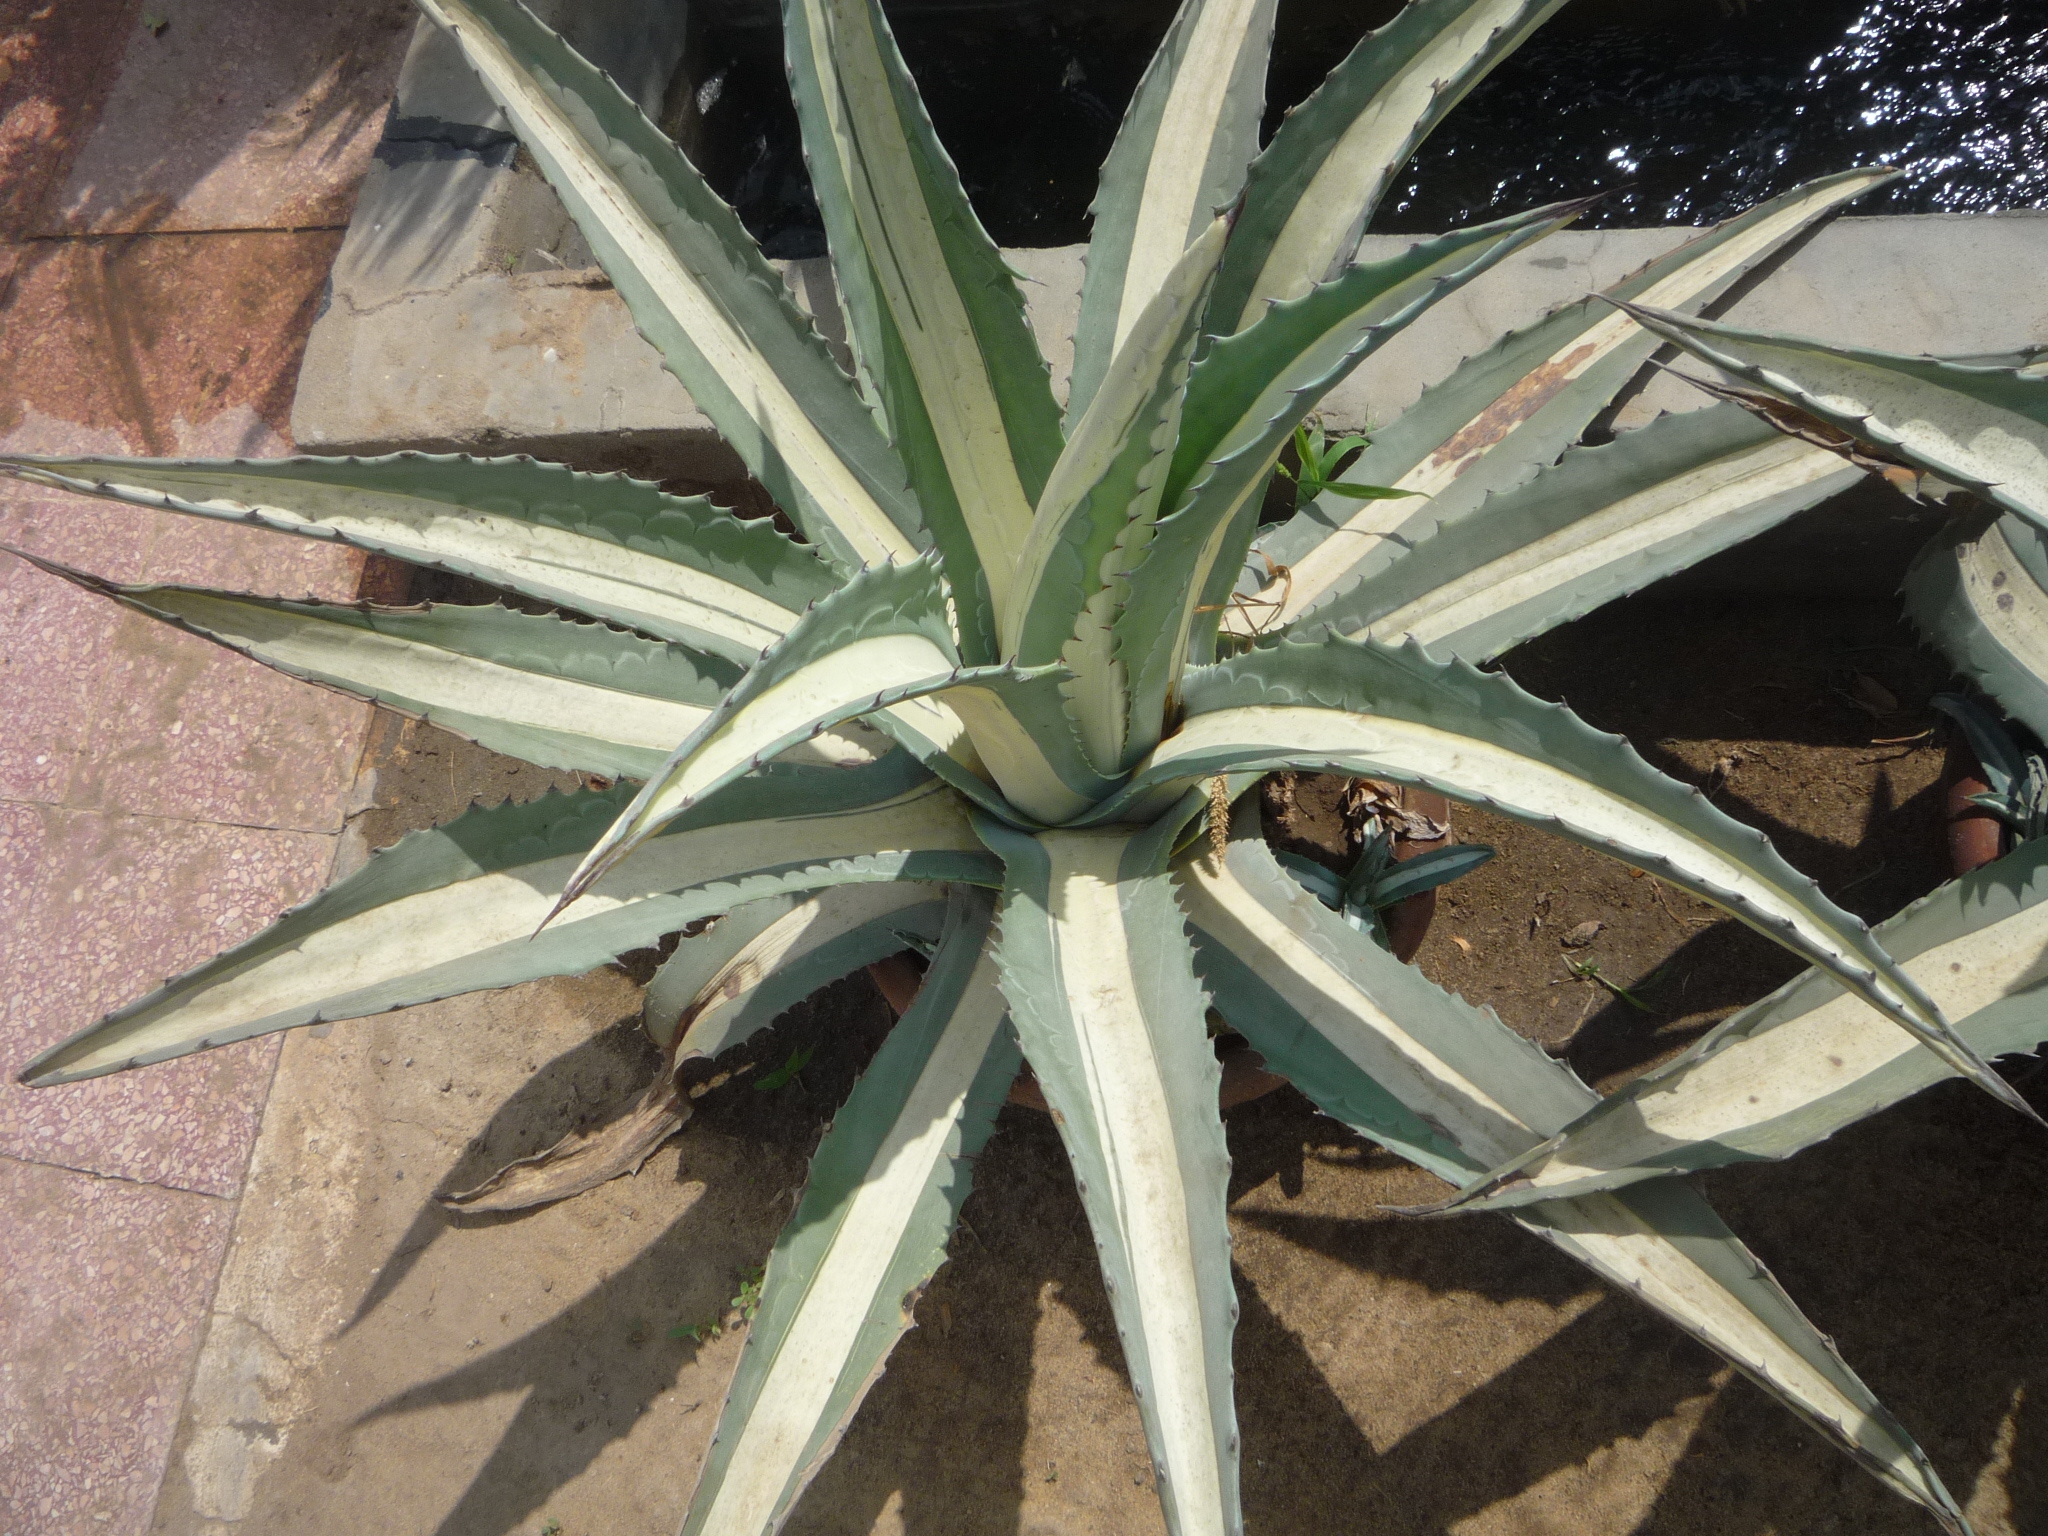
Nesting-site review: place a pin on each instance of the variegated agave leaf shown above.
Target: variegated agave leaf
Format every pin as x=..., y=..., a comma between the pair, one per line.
x=1980, y=426
x=1359, y=708
x=454, y=910
x=1811, y=1059
x=696, y=283
x=1979, y=591
x=1311, y=192
x=1179, y=158
x=1503, y=414
x=885, y=1189
x=1095, y=961
x=613, y=548
x=582, y=697
x=1601, y=523
x=1244, y=401
x=935, y=317
x=1379, y=1047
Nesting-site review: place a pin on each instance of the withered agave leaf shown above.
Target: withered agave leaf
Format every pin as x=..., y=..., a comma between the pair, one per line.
x=1977, y=425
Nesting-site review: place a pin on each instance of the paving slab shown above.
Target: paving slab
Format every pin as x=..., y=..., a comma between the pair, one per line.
x=167, y=341
x=237, y=114
x=101, y=1315
x=187, y=729
x=103, y=908
x=57, y=65
x=53, y=643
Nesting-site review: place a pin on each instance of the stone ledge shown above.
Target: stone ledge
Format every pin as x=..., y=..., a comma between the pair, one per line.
x=548, y=362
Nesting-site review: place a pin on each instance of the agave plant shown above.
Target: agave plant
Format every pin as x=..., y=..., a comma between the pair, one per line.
x=1000, y=700
x=1805, y=1062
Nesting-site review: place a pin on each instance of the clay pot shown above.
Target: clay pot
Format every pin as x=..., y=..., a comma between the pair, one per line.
x=1975, y=836
x=1244, y=1070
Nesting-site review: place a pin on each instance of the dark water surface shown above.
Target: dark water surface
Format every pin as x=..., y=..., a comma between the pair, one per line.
x=1691, y=109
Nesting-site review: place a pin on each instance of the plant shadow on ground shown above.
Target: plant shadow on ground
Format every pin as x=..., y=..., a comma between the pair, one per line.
x=1939, y=1317
x=1901, y=1237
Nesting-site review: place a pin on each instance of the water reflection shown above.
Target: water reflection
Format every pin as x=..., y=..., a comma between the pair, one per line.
x=1691, y=110
x=1697, y=114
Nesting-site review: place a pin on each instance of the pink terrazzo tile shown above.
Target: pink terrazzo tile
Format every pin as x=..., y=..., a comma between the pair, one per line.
x=159, y=345
x=239, y=114
x=108, y=1285
x=105, y=908
x=60, y=66
x=188, y=729
x=54, y=643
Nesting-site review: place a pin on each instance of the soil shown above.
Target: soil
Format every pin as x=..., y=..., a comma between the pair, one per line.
x=1395, y=1376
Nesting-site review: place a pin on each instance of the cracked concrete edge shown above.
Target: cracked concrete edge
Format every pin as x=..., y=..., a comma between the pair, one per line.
x=270, y=1316
x=278, y=1303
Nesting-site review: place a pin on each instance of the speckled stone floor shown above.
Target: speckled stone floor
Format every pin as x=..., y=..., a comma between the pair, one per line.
x=174, y=179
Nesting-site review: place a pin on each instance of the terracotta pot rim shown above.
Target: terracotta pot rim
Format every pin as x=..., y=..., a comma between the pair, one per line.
x=1975, y=836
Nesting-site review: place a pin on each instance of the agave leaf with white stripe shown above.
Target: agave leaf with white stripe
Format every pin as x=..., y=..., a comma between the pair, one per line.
x=1599, y=524
x=1446, y=1085
x=1097, y=967
x=454, y=910
x=1032, y=745
x=1810, y=1059
x=552, y=691
x=1101, y=503
x=1179, y=158
x=617, y=549
x=934, y=314
x=1979, y=591
x=696, y=284
x=1113, y=469
x=1311, y=192
x=886, y=1187
x=881, y=638
x=1244, y=400
x=1501, y=415
x=1984, y=427
x=1356, y=707
x=722, y=986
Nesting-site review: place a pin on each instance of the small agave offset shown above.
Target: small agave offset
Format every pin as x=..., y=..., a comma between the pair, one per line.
x=999, y=700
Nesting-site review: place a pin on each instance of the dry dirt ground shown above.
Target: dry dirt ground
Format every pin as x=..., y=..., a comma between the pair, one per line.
x=482, y=1375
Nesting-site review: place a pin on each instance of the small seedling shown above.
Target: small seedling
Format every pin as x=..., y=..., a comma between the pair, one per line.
x=741, y=1307
x=1322, y=462
x=154, y=24
x=768, y=1082
x=553, y=1527
x=748, y=1301
x=1589, y=970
